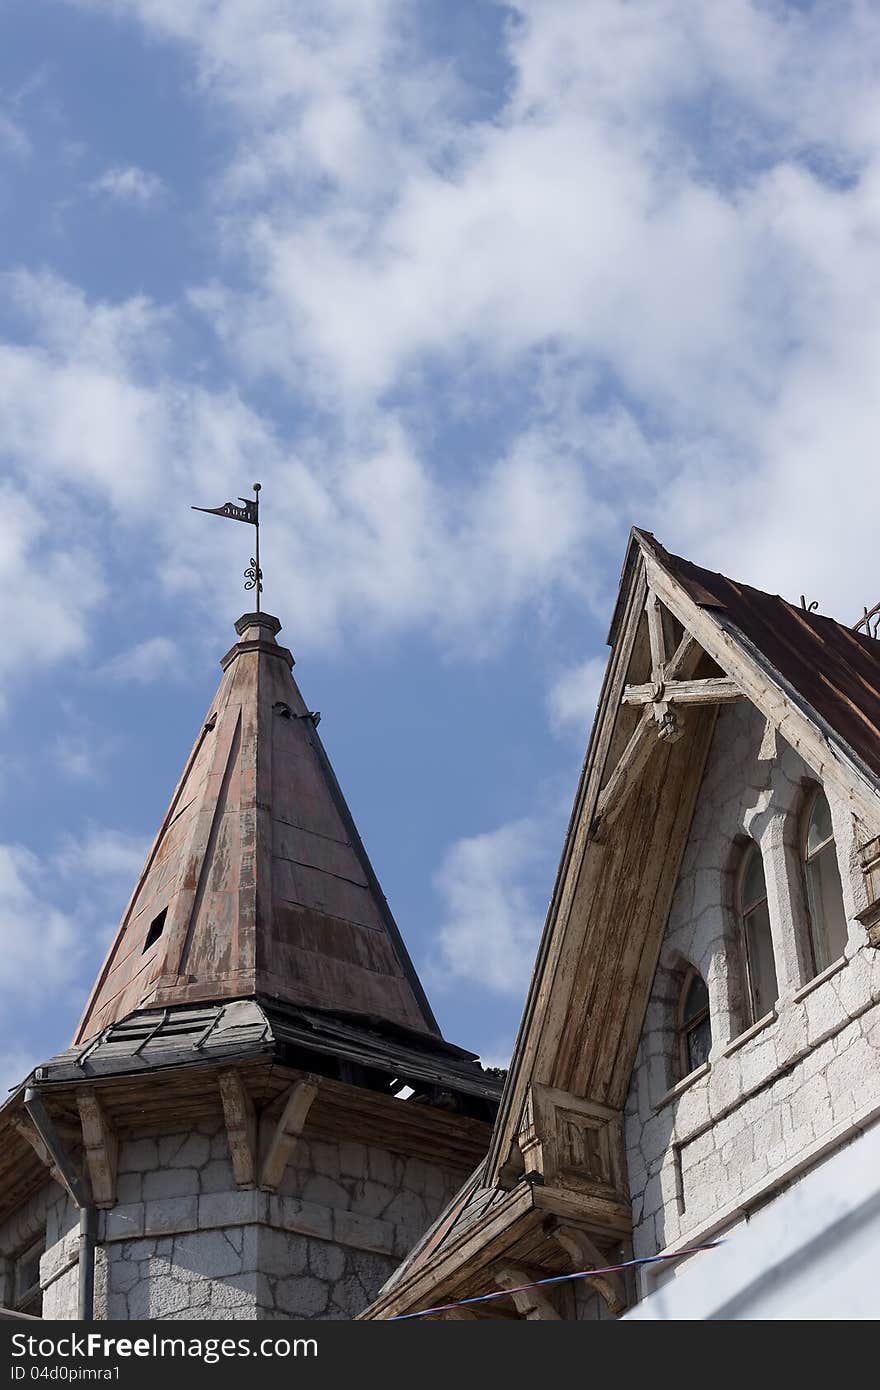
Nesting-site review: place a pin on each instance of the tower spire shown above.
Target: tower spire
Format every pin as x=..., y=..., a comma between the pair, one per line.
x=258, y=883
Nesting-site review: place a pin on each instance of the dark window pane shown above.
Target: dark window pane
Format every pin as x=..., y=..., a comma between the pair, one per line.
x=820, y=830
x=697, y=999
x=762, y=967
x=826, y=907
x=698, y=1043
x=754, y=888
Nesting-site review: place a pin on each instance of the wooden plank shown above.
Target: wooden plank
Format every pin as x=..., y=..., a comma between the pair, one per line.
x=711, y=691
x=632, y=763
x=425, y=1283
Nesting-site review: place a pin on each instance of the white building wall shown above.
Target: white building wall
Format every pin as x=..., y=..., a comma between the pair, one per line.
x=810, y=1254
x=778, y=1095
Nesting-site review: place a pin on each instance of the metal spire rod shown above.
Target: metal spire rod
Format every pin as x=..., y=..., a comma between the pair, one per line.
x=250, y=513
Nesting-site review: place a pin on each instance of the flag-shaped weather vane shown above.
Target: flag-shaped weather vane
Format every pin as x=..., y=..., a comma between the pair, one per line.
x=250, y=513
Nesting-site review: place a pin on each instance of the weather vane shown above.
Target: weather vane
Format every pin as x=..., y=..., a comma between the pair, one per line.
x=250, y=512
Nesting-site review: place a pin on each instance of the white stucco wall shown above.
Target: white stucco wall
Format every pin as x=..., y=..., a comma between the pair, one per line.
x=810, y=1254
x=776, y=1096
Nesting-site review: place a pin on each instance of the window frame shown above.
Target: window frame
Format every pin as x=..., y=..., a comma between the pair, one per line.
x=684, y=1027
x=748, y=848
x=28, y=1300
x=814, y=791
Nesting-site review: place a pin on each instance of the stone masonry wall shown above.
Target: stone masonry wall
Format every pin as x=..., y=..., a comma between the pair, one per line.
x=777, y=1095
x=184, y=1242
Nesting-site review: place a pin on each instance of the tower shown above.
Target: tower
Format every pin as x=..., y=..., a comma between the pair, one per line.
x=258, y=1115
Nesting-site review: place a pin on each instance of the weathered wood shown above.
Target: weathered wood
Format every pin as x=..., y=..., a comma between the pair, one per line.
x=632, y=763
x=474, y=1248
x=101, y=1148
x=555, y=962
x=712, y=691
x=24, y=1127
x=585, y=1254
x=278, y=1137
x=532, y=1304
x=240, y=1115
x=607, y=1217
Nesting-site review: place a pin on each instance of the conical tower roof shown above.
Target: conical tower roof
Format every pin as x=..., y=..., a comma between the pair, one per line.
x=257, y=883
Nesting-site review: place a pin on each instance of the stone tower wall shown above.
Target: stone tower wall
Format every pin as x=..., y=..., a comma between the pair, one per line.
x=184, y=1242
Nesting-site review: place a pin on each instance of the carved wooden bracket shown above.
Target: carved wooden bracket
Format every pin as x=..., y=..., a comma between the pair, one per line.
x=278, y=1136
x=533, y=1304
x=573, y=1143
x=101, y=1148
x=28, y=1133
x=584, y=1254
x=240, y=1115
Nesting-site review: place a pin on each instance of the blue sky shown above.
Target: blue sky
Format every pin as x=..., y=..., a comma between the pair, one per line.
x=471, y=288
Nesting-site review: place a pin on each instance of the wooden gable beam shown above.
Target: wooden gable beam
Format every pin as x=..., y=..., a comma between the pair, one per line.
x=101, y=1148
x=673, y=674
x=746, y=666
x=712, y=691
x=278, y=1137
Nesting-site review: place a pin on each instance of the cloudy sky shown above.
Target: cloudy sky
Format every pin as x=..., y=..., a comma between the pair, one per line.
x=470, y=287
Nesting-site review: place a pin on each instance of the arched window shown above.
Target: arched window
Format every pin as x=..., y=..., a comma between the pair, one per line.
x=755, y=920
x=828, y=929
x=694, y=1028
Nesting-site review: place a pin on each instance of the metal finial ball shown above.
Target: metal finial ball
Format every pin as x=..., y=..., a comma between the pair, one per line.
x=258, y=487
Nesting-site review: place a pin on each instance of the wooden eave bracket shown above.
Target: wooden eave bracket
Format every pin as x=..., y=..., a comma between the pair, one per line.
x=24, y=1127
x=584, y=1254
x=532, y=1304
x=240, y=1115
x=260, y=1146
x=101, y=1148
x=277, y=1137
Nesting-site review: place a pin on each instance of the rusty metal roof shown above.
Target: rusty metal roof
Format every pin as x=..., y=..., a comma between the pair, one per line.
x=826, y=665
x=258, y=882
x=242, y=1029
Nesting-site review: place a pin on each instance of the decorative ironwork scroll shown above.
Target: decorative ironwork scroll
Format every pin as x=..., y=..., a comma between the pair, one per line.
x=249, y=512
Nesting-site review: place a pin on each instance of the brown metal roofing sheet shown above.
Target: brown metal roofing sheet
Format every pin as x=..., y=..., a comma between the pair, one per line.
x=835, y=670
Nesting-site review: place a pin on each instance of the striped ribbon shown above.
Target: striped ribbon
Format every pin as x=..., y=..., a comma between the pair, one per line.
x=558, y=1279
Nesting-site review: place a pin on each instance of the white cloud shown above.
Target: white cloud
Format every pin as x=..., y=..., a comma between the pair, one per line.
x=129, y=184
x=15, y=1064
x=14, y=140
x=493, y=908
x=148, y=661
x=41, y=948
x=572, y=700
x=680, y=213
x=103, y=854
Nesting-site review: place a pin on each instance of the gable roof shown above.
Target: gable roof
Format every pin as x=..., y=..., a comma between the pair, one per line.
x=258, y=882
x=817, y=682
x=834, y=670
